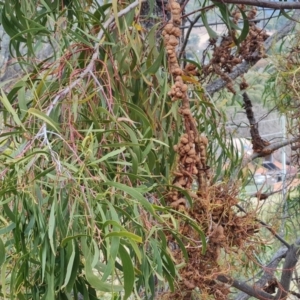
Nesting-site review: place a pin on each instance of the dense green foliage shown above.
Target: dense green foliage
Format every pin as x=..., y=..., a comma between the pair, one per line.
x=82, y=174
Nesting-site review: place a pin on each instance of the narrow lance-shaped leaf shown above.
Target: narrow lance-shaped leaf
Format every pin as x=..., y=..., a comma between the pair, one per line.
x=10, y=109
x=44, y=118
x=2, y=252
x=128, y=272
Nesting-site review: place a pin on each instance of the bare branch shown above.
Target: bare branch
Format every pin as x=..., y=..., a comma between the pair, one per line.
x=264, y=3
x=245, y=65
x=268, y=272
x=242, y=286
x=187, y=35
x=291, y=260
x=275, y=146
x=269, y=149
x=193, y=12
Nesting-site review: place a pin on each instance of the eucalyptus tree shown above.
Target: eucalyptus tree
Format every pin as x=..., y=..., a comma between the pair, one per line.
x=111, y=185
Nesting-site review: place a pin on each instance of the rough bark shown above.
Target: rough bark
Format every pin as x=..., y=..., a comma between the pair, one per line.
x=274, y=146
x=257, y=142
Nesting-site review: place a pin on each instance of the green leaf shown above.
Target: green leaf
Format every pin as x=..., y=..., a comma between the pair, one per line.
x=8, y=228
x=92, y=278
x=226, y=16
x=52, y=228
x=2, y=252
x=70, y=265
x=128, y=272
x=282, y=11
x=74, y=273
x=115, y=13
x=10, y=26
x=157, y=64
x=212, y=34
x=136, y=195
x=108, y=155
x=10, y=109
x=44, y=118
x=125, y=234
x=245, y=29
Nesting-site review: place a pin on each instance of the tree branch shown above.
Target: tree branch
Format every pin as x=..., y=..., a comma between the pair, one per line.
x=268, y=272
x=242, y=286
x=193, y=12
x=243, y=68
x=187, y=35
x=258, y=143
x=264, y=3
x=269, y=149
x=291, y=260
x=274, y=146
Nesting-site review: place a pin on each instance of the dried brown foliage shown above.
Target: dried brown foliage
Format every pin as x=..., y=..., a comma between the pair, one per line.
x=229, y=52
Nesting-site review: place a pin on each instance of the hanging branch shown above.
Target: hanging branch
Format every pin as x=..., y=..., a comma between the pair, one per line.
x=192, y=147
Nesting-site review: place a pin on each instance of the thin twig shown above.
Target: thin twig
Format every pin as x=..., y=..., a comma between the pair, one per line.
x=188, y=35
x=87, y=70
x=222, y=23
x=197, y=10
x=267, y=226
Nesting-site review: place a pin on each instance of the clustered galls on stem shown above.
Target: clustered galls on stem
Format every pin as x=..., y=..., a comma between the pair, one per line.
x=171, y=34
x=210, y=205
x=191, y=148
x=230, y=52
x=189, y=162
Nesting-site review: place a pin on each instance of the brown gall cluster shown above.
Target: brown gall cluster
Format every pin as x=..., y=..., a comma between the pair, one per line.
x=187, y=155
x=191, y=165
x=227, y=55
x=171, y=34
